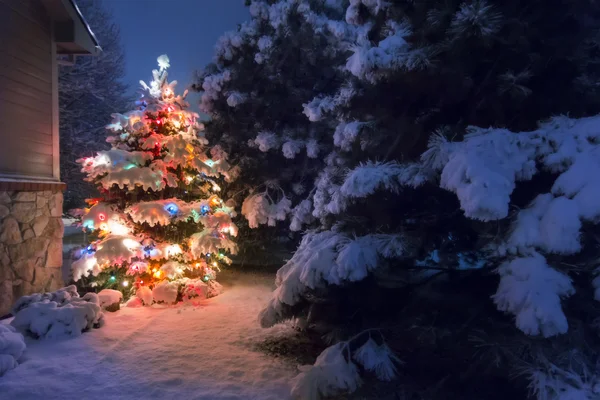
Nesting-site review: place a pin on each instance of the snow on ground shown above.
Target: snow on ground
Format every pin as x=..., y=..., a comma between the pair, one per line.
x=185, y=352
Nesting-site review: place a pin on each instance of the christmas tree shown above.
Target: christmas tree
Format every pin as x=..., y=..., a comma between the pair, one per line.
x=159, y=228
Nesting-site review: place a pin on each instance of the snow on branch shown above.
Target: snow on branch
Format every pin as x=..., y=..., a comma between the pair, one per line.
x=371, y=63
x=210, y=240
x=482, y=170
x=369, y=177
x=318, y=107
x=259, y=209
x=327, y=258
x=337, y=368
x=532, y=290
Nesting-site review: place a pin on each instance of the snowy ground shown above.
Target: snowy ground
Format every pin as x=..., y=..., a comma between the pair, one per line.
x=204, y=352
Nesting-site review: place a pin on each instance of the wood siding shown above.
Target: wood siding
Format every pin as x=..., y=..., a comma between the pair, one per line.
x=28, y=146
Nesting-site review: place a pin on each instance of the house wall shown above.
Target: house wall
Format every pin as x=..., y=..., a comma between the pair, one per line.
x=31, y=231
x=31, y=197
x=27, y=92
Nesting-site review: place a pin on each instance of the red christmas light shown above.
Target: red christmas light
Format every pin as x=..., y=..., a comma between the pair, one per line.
x=101, y=217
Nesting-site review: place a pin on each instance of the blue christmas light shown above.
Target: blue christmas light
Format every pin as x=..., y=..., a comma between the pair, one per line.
x=204, y=209
x=90, y=249
x=171, y=208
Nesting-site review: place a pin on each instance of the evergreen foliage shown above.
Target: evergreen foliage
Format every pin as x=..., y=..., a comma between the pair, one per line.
x=411, y=204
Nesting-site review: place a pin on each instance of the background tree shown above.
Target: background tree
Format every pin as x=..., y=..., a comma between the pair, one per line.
x=254, y=94
x=417, y=207
x=159, y=220
x=89, y=92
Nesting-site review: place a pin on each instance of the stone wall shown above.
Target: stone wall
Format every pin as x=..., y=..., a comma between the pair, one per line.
x=31, y=231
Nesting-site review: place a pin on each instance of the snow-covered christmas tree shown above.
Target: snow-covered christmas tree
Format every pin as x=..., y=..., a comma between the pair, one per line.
x=160, y=229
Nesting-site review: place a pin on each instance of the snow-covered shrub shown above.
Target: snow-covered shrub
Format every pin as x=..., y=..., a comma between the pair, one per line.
x=165, y=292
x=144, y=293
x=57, y=314
x=109, y=297
x=12, y=346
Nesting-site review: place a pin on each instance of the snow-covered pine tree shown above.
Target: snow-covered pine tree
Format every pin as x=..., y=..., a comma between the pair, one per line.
x=395, y=247
x=254, y=93
x=90, y=90
x=159, y=221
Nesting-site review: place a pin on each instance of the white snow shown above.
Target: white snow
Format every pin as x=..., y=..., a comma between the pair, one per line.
x=531, y=290
x=326, y=258
x=12, y=346
x=109, y=296
x=332, y=373
x=259, y=209
x=165, y=292
x=183, y=352
x=51, y=319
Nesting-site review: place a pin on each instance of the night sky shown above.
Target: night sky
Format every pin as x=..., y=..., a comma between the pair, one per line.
x=185, y=30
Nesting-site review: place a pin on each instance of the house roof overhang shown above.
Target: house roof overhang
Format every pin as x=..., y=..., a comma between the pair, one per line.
x=72, y=34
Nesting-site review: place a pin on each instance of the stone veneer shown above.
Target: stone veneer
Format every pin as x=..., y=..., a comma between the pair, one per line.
x=31, y=231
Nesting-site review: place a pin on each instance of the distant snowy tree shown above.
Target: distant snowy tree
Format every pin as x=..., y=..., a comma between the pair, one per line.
x=413, y=195
x=89, y=92
x=254, y=93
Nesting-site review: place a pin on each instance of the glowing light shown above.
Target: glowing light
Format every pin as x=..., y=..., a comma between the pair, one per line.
x=216, y=188
x=101, y=160
x=215, y=201
x=130, y=243
x=125, y=283
x=159, y=121
x=205, y=278
x=197, y=265
x=101, y=216
x=103, y=226
x=209, y=162
x=173, y=250
x=157, y=274
x=189, y=179
x=171, y=208
x=88, y=223
x=214, y=264
x=117, y=228
x=129, y=166
x=204, y=209
x=179, y=270
x=221, y=255
x=168, y=92
x=112, y=278
x=170, y=109
x=176, y=123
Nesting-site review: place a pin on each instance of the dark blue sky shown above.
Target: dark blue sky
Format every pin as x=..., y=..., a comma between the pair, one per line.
x=185, y=30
